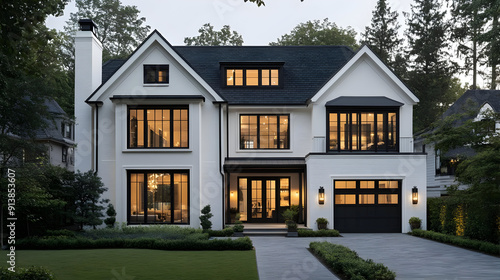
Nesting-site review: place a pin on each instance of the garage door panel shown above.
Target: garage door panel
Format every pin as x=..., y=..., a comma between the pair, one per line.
x=366, y=215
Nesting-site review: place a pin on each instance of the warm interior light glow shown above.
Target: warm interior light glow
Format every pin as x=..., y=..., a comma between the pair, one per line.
x=232, y=193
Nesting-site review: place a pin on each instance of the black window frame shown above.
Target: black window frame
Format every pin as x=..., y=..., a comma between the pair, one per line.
x=241, y=145
x=156, y=68
x=146, y=134
x=64, y=154
x=171, y=172
x=358, y=111
x=252, y=66
x=376, y=191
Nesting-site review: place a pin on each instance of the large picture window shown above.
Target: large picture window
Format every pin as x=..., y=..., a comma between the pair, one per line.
x=158, y=197
x=375, y=131
x=158, y=127
x=264, y=132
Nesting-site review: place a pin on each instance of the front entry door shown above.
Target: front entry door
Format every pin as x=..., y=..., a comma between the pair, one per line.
x=262, y=200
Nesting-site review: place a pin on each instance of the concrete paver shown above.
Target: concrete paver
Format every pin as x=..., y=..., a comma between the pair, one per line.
x=410, y=257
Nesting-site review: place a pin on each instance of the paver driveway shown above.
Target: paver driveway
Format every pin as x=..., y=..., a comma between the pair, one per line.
x=410, y=257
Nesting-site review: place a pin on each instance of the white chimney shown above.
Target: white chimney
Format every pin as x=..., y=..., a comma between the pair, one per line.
x=88, y=77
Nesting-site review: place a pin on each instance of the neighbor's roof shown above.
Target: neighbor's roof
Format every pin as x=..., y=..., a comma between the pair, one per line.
x=478, y=98
x=305, y=70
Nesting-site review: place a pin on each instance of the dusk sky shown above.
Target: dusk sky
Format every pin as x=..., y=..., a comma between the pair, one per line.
x=176, y=19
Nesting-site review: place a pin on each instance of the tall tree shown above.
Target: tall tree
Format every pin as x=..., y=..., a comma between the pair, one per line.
x=382, y=34
x=210, y=37
x=491, y=37
x=120, y=29
x=430, y=71
x=318, y=33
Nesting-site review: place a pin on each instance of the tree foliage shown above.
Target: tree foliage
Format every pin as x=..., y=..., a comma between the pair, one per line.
x=261, y=2
x=210, y=37
x=318, y=33
x=87, y=189
x=120, y=29
x=430, y=71
x=382, y=34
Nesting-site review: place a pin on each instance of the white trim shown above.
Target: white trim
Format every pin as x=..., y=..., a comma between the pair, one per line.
x=154, y=37
x=364, y=51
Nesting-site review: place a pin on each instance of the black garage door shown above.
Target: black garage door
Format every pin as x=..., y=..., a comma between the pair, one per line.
x=367, y=205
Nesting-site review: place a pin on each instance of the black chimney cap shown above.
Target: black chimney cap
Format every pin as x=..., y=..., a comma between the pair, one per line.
x=88, y=25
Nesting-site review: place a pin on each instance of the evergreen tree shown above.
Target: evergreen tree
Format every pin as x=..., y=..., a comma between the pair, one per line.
x=87, y=189
x=382, y=34
x=431, y=71
x=490, y=15
x=466, y=31
x=210, y=37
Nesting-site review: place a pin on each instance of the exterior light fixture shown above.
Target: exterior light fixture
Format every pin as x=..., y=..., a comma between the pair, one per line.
x=414, y=195
x=321, y=195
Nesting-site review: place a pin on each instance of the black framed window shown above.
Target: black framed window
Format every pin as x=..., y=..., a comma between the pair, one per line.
x=160, y=196
x=64, y=154
x=367, y=192
x=252, y=77
x=363, y=130
x=158, y=127
x=156, y=74
x=264, y=132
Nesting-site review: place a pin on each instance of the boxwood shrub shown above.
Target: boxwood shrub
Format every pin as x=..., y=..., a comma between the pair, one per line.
x=221, y=233
x=188, y=244
x=318, y=233
x=483, y=246
x=31, y=273
x=348, y=265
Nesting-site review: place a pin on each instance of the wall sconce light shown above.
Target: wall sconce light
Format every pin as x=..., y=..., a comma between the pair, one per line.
x=232, y=193
x=321, y=195
x=414, y=195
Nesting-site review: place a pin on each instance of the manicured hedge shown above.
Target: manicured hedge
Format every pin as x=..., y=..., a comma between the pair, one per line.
x=483, y=246
x=188, y=244
x=221, y=233
x=31, y=273
x=318, y=233
x=348, y=265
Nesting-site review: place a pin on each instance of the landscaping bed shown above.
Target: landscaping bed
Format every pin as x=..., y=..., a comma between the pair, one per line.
x=318, y=233
x=482, y=246
x=152, y=237
x=347, y=264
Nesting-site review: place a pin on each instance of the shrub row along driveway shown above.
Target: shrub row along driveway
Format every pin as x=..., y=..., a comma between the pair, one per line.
x=410, y=257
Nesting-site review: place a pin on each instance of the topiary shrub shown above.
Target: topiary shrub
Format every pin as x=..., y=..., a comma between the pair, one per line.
x=205, y=222
x=111, y=219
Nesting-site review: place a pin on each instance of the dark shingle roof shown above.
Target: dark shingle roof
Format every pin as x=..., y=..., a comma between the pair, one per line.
x=478, y=98
x=110, y=67
x=364, y=101
x=306, y=69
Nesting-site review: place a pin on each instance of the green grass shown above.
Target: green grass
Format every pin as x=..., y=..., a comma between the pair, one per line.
x=141, y=264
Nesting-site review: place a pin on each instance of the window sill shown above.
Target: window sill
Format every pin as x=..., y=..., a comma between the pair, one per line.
x=157, y=151
x=155, y=85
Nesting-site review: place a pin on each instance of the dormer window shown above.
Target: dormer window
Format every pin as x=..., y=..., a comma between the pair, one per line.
x=252, y=77
x=252, y=74
x=156, y=74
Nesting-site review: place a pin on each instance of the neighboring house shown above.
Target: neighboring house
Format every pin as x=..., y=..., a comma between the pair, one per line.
x=441, y=167
x=57, y=136
x=248, y=129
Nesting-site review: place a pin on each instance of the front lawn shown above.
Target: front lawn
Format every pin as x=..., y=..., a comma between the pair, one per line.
x=141, y=264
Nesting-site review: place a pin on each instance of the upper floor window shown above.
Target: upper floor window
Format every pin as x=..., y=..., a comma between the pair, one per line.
x=67, y=130
x=156, y=74
x=267, y=77
x=158, y=127
x=375, y=131
x=264, y=132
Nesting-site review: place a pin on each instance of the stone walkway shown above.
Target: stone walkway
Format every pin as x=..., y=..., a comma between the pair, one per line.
x=410, y=257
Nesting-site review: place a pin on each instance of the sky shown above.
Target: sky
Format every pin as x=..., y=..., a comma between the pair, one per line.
x=177, y=19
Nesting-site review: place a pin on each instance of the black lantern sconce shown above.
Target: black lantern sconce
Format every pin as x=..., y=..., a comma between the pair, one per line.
x=414, y=195
x=321, y=195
